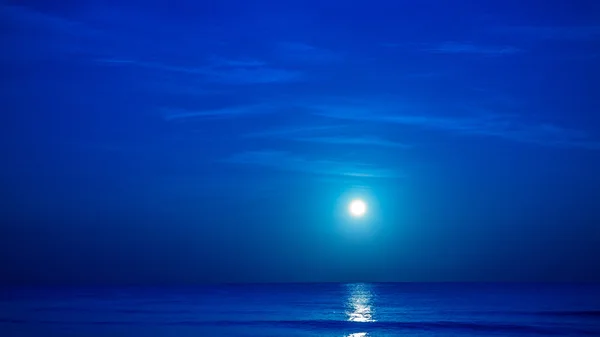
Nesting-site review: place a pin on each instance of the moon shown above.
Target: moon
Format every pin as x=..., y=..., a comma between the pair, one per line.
x=357, y=208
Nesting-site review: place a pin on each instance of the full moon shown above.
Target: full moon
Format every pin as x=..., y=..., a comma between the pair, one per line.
x=357, y=208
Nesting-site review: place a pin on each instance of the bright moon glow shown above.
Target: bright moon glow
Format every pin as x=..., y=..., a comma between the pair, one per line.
x=357, y=208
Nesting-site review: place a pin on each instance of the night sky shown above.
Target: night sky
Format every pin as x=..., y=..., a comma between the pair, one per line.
x=221, y=141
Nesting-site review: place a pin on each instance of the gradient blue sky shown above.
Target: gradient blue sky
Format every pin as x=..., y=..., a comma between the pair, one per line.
x=197, y=141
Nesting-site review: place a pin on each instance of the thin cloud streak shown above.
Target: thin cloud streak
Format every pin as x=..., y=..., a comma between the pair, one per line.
x=286, y=161
x=582, y=33
x=234, y=73
x=301, y=52
x=249, y=63
x=322, y=134
x=31, y=24
x=173, y=114
x=153, y=65
x=510, y=128
x=22, y=16
x=29, y=35
x=465, y=48
x=342, y=140
x=287, y=131
x=262, y=75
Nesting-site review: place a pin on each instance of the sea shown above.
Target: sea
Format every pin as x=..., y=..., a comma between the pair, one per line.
x=330, y=309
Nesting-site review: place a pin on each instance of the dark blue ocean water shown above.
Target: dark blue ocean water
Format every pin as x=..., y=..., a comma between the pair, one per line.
x=356, y=310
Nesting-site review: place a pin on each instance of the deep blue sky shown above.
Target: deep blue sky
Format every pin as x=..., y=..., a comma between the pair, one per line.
x=220, y=141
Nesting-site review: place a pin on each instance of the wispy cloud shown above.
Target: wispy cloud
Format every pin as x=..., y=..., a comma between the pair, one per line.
x=225, y=72
x=292, y=131
x=30, y=34
x=116, y=147
x=585, y=33
x=302, y=52
x=175, y=114
x=466, y=48
x=153, y=65
x=249, y=63
x=117, y=45
x=506, y=127
x=248, y=71
x=323, y=134
x=27, y=18
x=287, y=161
x=178, y=87
x=545, y=134
x=390, y=44
x=347, y=140
x=260, y=75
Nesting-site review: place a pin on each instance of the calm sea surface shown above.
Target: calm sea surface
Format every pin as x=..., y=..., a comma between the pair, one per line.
x=353, y=310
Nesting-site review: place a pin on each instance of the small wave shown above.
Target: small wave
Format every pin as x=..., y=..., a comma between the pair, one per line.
x=333, y=325
x=423, y=325
x=584, y=313
x=112, y=310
